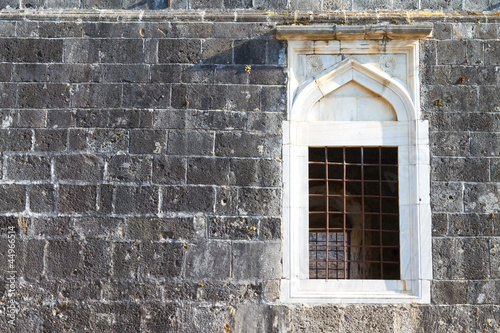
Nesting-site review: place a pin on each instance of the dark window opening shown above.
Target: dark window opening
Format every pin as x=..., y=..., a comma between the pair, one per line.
x=353, y=213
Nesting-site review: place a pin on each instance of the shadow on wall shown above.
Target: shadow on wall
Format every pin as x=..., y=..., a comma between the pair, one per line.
x=152, y=4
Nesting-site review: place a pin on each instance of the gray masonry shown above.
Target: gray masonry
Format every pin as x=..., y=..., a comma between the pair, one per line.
x=141, y=166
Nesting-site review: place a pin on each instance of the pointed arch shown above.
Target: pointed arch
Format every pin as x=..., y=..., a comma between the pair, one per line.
x=349, y=70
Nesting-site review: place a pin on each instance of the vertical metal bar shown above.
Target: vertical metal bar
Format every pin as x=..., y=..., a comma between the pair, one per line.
x=363, y=243
x=327, y=216
x=344, y=212
x=380, y=211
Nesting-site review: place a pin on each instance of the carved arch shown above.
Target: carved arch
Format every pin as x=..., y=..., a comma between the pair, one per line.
x=349, y=70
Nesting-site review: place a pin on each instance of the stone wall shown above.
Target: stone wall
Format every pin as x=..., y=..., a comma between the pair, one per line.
x=141, y=170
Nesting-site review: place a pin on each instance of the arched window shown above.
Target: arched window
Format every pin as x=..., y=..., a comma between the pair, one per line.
x=356, y=222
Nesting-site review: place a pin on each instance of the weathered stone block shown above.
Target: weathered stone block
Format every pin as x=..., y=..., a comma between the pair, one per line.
x=460, y=169
x=156, y=229
x=15, y=140
x=41, y=197
x=136, y=200
x=50, y=140
x=439, y=224
x=450, y=144
x=232, y=30
x=231, y=74
x=199, y=96
x=495, y=169
x=105, y=199
x=191, y=30
x=78, y=51
x=120, y=50
x=224, y=120
x=38, y=95
x=494, y=249
x=190, y=142
x=448, y=5
x=460, y=259
x=76, y=199
x=371, y=5
x=227, y=201
x=262, y=202
x=116, y=290
x=198, y=74
x=473, y=75
x=146, y=96
x=256, y=172
x=243, y=98
x=336, y=4
x=229, y=4
x=126, y=260
x=483, y=292
x=446, y=197
x=13, y=198
x=96, y=96
x=482, y=197
x=27, y=167
x=276, y=52
x=116, y=317
x=208, y=170
x=64, y=259
x=165, y=73
x=147, y=141
x=262, y=318
x=273, y=99
x=449, y=292
x=121, y=73
x=98, y=227
x=79, y=167
x=249, y=52
x=96, y=259
x=208, y=260
x=29, y=73
x=51, y=227
x=157, y=317
x=161, y=260
x=91, y=118
x=485, y=144
x=169, y=170
x=492, y=52
x=104, y=29
x=242, y=144
x=450, y=98
x=179, y=51
x=125, y=168
x=489, y=99
x=74, y=73
x=61, y=119
x=188, y=199
x=31, y=50
x=256, y=260
x=270, y=228
x=107, y=140
x=233, y=228
x=131, y=118
x=466, y=224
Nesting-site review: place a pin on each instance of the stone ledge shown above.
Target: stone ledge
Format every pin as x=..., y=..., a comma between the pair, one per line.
x=329, y=32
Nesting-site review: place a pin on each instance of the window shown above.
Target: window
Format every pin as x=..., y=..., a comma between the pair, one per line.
x=356, y=224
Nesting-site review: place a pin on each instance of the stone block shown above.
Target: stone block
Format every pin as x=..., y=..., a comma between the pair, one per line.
x=13, y=198
x=80, y=51
x=495, y=169
x=450, y=98
x=489, y=99
x=256, y=261
x=312, y=319
x=191, y=29
x=169, y=170
x=494, y=249
x=439, y=224
x=122, y=51
x=29, y=73
x=79, y=167
x=449, y=292
x=270, y=4
x=60, y=29
x=487, y=31
x=50, y=139
x=460, y=169
x=262, y=318
x=241, y=144
x=190, y=142
x=98, y=227
x=492, y=52
x=15, y=140
x=475, y=5
x=270, y=229
x=125, y=168
x=38, y=95
x=31, y=50
x=208, y=170
x=485, y=144
x=446, y=197
x=249, y=52
x=91, y=118
x=161, y=260
x=240, y=4
x=466, y=224
x=104, y=199
x=482, y=197
x=116, y=290
x=428, y=52
x=231, y=74
x=6, y=71
x=64, y=259
x=157, y=229
x=126, y=259
x=107, y=140
x=227, y=201
x=41, y=197
x=174, y=291
x=460, y=258
x=158, y=317
x=77, y=139
x=473, y=75
x=8, y=95
x=131, y=118
x=208, y=260
x=223, y=120
x=305, y=5
x=273, y=99
x=475, y=52
x=174, y=119
x=8, y=28
x=27, y=167
x=49, y=227
x=96, y=259
x=27, y=118
x=104, y=29
x=450, y=144
x=198, y=74
x=267, y=122
x=199, y=96
x=116, y=317
x=243, y=97
x=30, y=254
x=179, y=51
x=233, y=228
x=260, y=202
x=61, y=119
x=276, y=52
x=165, y=73
x=232, y=30
x=448, y=5
x=5, y=223
x=371, y=5
x=97, y=96
x=256, y=172
x=205, y=4
x=267, y=75
x=336, y=4
x=146, y=96
x=76, y=199
x=483, y=292
x=192, y=199
x=209, y=319
x=111, y=73
x=147, y=141
x=136, y=200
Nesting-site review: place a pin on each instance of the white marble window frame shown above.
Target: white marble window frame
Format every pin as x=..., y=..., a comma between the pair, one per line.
x=409, y=134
